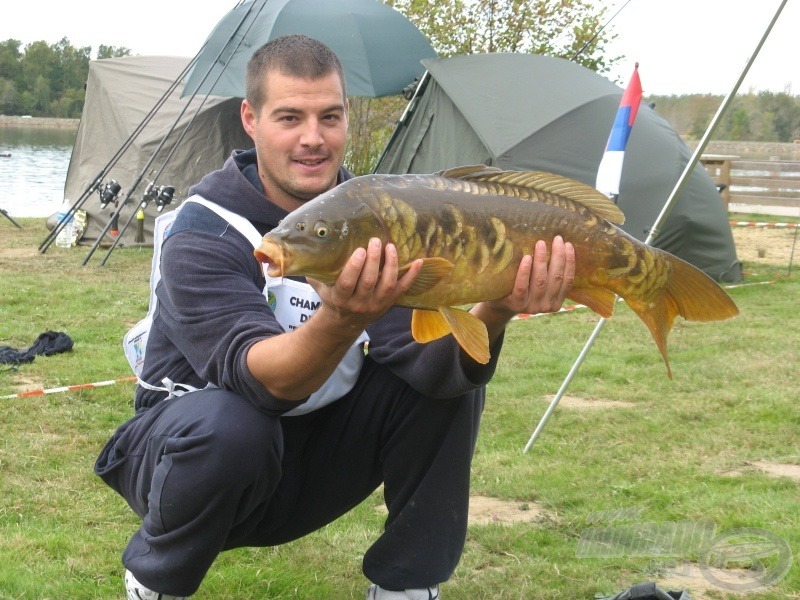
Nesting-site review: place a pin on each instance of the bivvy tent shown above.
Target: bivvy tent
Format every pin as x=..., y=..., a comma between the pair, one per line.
x=527, y=112
x=119, y=94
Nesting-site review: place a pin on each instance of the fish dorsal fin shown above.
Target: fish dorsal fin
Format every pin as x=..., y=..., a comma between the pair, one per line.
x=541, y=181
x=469, y=172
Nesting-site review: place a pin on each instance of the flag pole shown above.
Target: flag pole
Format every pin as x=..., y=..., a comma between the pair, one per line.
x=659, y=222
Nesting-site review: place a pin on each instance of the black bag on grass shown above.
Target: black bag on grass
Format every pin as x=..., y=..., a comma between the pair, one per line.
x=648, y=591
x=49, y=342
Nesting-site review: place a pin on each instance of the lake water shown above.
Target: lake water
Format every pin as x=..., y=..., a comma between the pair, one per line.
x=32, y=178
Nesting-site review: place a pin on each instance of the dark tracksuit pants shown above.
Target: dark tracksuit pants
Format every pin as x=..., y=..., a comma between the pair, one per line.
x=209, y=472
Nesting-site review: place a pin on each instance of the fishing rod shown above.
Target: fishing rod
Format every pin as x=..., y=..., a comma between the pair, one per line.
x=112, y=188
x=598, y=32
x=158, y=194
x=98, y=179
x=9, y=217
x=115, y=216
x=659, y=222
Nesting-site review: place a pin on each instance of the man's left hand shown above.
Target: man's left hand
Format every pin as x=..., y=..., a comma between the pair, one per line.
x=541, y=284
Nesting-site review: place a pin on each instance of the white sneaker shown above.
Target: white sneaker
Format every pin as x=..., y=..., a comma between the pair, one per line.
x=136, y=591
x=376, y=592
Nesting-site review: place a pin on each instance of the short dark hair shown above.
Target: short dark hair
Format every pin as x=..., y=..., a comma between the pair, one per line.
x=293, y=55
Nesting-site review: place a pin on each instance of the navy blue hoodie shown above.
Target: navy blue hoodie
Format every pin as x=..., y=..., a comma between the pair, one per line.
x=211, y=308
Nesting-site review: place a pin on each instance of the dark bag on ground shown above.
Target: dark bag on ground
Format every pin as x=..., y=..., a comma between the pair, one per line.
x=49, y=342
x=647, y=591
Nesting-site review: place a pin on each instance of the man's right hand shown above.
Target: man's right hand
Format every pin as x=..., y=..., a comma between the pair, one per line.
x=363, y=291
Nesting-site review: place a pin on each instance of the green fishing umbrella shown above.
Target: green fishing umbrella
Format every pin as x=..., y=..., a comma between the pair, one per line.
x=379, y=47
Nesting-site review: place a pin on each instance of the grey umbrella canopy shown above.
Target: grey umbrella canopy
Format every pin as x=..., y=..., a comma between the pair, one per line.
x=379, y=47
x=527, y=112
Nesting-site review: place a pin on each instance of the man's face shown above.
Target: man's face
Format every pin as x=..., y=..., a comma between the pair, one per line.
x=299, y=134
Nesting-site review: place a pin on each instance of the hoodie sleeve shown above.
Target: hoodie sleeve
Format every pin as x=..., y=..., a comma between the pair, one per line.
x=435, y=369
x=212, y=309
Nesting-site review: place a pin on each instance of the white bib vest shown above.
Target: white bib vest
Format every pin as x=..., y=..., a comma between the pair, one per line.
x=292, y=302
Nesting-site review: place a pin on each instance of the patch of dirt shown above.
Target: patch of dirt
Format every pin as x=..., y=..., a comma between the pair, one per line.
x=17, y=252
x=708, y=586
x=583, y=403
x=765, y=245
x=779, y=469
x=484, y=510
x=25, y=384
x=772, y=469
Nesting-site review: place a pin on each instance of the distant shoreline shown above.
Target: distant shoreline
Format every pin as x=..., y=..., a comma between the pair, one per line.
x=42, y=122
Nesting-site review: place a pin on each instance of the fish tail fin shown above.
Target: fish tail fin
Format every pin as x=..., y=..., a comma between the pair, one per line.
x=689, y=293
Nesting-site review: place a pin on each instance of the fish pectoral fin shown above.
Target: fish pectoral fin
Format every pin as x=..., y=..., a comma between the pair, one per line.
x=598, y=299
x=469, y=331
x=428, y=325
x=433, y=271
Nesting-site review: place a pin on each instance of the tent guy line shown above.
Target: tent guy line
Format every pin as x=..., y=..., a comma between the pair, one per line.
x=68, y=388
x=767, y=224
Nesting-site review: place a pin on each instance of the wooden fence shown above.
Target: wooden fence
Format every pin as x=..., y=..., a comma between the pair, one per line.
x=773, y=183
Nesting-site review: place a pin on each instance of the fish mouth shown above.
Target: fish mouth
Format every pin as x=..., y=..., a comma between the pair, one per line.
x=274, y=255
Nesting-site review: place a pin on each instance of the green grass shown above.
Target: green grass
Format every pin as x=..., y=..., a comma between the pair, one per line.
x=666, y=457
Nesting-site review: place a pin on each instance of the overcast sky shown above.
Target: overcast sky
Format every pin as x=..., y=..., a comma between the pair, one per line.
x=683, y=46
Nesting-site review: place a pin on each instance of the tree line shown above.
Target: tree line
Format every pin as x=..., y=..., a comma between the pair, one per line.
x=46, y=80
x=49, y=80
x=751, y=117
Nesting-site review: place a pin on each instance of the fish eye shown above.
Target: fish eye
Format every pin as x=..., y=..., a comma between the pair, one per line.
x=301, y=226
x=321, y=229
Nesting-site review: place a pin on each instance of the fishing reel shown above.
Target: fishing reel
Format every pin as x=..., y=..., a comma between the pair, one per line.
x=109, y=193
x=164, y=196
x=161, y=195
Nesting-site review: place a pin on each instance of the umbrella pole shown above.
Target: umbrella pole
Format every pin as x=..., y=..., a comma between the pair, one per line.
x=410, y=108
x=659, y=222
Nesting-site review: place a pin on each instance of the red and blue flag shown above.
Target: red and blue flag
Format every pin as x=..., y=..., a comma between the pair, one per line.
x=609, y=172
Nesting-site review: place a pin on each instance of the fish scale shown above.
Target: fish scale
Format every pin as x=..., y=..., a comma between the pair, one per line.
x=470, y=227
